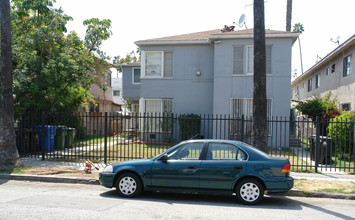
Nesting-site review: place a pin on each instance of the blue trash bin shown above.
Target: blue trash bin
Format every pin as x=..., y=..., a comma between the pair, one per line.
x=49, y=133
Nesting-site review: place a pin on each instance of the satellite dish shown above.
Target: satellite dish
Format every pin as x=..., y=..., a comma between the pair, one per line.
x=241, y=21
x=336, y=40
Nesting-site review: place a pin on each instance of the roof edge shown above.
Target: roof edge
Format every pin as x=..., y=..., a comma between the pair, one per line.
x=170, y=42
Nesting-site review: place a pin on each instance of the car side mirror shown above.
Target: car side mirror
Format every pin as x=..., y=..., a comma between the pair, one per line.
x=164, y=158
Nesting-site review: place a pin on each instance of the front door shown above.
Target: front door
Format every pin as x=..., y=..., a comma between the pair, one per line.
x=182, y=169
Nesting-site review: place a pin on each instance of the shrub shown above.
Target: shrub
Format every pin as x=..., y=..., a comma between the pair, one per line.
x=341, y=129
x=323, y=108
x=190, y=125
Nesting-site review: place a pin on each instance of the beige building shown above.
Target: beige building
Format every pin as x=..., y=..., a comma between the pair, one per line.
x=333, y=73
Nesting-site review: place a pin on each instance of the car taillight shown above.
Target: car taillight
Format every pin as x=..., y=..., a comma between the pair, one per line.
x=286, y=168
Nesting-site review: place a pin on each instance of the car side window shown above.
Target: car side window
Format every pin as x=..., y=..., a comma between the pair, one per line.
x=190, y=151
x=223, y=151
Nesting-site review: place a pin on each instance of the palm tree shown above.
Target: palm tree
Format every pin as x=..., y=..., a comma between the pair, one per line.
x=9, y=156
x=288, y=15
x=298, y=28
x=259, y=139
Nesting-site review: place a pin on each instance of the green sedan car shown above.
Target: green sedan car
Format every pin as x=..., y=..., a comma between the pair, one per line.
x=203, y=166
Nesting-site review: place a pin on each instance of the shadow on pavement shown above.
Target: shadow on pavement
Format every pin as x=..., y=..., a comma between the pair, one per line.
x=274, y=202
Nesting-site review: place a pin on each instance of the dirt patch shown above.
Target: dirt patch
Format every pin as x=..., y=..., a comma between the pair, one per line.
x=61, y=171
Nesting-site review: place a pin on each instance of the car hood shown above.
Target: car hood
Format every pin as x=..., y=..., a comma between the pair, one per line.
x=133, y=163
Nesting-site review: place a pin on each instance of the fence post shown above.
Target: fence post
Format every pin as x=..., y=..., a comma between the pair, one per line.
x=43, y=144
x=317, y=144
x=105, y=144
x=172, y=127
x=242, y=130
x=353, y=145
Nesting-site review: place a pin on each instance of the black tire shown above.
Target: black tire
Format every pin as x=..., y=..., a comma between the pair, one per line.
x=249, y=191
x=129, y=185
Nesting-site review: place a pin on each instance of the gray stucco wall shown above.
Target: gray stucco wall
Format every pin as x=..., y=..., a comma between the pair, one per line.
x=228, y=86
x=130, y=91
x=191, y=93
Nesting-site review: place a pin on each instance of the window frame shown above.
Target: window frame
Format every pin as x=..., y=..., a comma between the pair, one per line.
x=144, y=56
x=347, y=67
x=267, y=59
x=133, y=78
x=317, y=80
x=309, y=85
x=114, y=91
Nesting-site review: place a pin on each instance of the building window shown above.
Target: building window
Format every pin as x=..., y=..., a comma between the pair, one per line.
x=159, y=110
x=238, y=60
x=244, y=106
x=347, y=66
x=158, y=106
x=327, y=71
x=332, y=70
x=93, y=107
x=157, y=64
x=136, y=76
x=346, y=107
x=116, y=92
x=250, y=59
x=309, y=84
x=318, y=80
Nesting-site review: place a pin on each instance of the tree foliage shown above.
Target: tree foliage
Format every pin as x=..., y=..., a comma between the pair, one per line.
x=323, y=108
x=341, y=129
x=51, y=69
x=298, y=28
x=96, y=32
x=130, y=58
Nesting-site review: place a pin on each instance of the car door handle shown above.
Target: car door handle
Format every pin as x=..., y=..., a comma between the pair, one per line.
x=238, y=167
x=192, y=167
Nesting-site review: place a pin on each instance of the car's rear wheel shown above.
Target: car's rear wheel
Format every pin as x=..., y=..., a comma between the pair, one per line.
x=129, y=185
x=250, y=191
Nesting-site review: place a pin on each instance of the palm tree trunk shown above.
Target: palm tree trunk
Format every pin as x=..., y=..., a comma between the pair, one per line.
x=9, y=156
x=259, y=139
x=288, y=15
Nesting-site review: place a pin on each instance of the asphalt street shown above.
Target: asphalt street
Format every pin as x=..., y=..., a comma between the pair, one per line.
x=40, y=200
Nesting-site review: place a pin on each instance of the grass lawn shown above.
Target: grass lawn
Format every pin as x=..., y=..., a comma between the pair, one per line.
x=297, y=163
x=326, y=186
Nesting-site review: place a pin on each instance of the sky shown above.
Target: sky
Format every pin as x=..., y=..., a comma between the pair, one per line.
x=134, y=20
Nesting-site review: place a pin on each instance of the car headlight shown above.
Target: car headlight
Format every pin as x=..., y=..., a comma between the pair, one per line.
x=108, y=169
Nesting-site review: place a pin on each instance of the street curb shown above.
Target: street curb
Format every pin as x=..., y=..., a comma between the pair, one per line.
x=47, y=178
x=300, y=193
x=57, y=179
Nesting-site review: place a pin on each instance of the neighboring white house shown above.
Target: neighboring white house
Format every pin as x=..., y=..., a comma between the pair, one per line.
x=333, y=73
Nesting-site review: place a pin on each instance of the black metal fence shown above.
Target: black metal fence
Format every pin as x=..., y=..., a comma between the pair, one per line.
x=110, y=137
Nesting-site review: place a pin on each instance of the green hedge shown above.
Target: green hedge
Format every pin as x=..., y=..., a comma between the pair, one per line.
x=341, y=129
x=190, y=125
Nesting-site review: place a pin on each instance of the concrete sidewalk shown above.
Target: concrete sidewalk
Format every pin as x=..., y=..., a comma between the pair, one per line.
x=37, y=162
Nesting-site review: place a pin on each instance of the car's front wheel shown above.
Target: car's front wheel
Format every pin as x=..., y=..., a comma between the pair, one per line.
x=250, y=191
x=129, y=185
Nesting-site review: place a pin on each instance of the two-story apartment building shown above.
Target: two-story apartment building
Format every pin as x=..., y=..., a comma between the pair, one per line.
x=208, y=72
x=334, y=73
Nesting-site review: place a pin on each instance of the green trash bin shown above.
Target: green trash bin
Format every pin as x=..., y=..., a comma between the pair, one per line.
x=59, y=139
x=69, y=138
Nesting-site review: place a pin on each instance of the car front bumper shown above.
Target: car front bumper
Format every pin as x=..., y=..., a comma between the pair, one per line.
x=106, y=179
